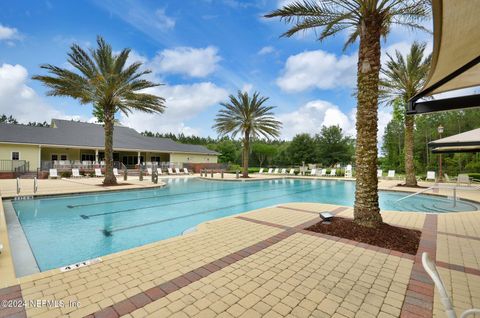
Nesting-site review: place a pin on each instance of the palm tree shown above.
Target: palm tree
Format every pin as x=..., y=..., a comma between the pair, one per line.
x=402, y=79
x=368, y=21
x=248, y=117
x=105, y=81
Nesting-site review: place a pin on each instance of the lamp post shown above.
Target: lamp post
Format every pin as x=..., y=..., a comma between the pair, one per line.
x=440, y=173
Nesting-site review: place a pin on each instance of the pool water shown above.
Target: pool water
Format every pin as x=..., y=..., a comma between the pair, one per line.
x=68, y=229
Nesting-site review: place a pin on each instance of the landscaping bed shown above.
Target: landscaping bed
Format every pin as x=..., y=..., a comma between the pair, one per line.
x=386, y=236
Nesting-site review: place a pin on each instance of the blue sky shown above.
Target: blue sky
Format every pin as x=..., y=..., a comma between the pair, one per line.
x=201, y=50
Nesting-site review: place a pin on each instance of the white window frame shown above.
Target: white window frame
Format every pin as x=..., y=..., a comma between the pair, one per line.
x=51, y=156
x=66, y=157
x=19, y=156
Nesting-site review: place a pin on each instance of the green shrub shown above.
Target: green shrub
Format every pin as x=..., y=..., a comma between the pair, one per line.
x=474, y=175
x=65, y=174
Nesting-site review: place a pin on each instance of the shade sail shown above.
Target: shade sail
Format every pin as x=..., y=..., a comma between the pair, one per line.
x=455, y=56
x=468, y=141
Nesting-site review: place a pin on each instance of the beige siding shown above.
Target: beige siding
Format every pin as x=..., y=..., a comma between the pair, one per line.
x=27, y=152
x=192, y=158
x=72, y=154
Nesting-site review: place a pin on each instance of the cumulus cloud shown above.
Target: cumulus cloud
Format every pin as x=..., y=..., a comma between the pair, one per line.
x=164, y=22
x=309, y=118
x=317, y=69
x=7, y=33
x=20, y=100
x=187, y=60
x=183, y=103
x=266, y=50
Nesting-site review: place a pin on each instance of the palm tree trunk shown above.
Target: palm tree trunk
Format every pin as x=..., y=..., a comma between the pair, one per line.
x=410, y=179
x=246, y=152
x=108, y=126
x=366, y=209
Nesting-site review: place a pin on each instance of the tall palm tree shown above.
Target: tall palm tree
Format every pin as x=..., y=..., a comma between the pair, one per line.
x=248, y=117
x=368, y=21
x=104, y=80
x=403, y=77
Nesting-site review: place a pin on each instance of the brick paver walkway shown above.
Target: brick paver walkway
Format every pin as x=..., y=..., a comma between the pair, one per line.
x=262, y=264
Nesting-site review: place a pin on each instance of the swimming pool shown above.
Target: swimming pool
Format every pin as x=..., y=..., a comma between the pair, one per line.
x=68, y=229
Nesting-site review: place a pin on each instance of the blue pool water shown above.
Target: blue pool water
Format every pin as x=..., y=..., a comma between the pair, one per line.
x=68, y=229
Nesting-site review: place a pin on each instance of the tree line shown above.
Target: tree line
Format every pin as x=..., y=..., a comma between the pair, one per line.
x=328, y=147
x=426, y=130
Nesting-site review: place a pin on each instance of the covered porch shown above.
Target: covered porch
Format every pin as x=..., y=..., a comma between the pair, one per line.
x=63, y=158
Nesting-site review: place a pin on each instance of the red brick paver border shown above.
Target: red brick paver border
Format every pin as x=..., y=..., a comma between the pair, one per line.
x=11, y=302
x=419, y=297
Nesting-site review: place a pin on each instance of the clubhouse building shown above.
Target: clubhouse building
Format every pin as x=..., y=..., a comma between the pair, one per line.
x=75, y=143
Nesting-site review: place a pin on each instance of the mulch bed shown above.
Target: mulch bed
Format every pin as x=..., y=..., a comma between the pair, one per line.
x=386, y=236
x=417, y=186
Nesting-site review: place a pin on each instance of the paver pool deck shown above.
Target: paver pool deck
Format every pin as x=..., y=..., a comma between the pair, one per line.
x=263, y=264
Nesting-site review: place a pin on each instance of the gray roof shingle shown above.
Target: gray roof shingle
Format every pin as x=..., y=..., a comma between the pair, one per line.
x=80, y=134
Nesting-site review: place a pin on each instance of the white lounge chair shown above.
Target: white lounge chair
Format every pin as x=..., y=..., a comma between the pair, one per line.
x=260, y=171
x=348, y=171
x=170, y=171
x=379, y=173
x=53, y=173
x=284, y=171
x=185, y=170
x=333, y=173
x=98, y=172
x=115, y=172
x=323, y=172
x=270, y=171
x=292, y=171
x=313, y=172
x=177, y=171
x=159, y=171
x=149, y=171
x=430, y=176
x=431, y=270
x=76, y=173
x=464, y=179
x=391, y=174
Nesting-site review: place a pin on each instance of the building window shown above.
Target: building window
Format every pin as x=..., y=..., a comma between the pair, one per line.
x=54, y=157
x=155, y=158
x=15, y=155
x=63, y=157
x=88, y=157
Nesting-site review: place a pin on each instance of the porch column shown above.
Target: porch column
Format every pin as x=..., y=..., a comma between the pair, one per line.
x=39, y=157
x=139, y=158
x=96, y=155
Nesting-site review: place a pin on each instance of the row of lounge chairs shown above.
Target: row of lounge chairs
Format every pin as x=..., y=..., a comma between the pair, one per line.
x=277, y=171
x=53, y=173
x=172, y=171
x=323, y=172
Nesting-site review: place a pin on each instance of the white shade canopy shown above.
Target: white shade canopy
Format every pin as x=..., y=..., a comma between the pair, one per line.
x=456, y=54
x=468, y=141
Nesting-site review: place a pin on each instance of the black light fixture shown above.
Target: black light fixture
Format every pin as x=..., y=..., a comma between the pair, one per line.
x=326, y=216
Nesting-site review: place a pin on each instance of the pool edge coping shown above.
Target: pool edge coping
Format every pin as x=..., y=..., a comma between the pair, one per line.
x=202, y=227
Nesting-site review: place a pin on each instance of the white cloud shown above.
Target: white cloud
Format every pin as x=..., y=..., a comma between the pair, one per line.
x=318, y=69
x=247, y=87
x=282, y=3
x=266, y=50
x=8, y=34
x=310, y=117
x=187, y=60
x=20, y=100
x=183, y=103
x=164, y=22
